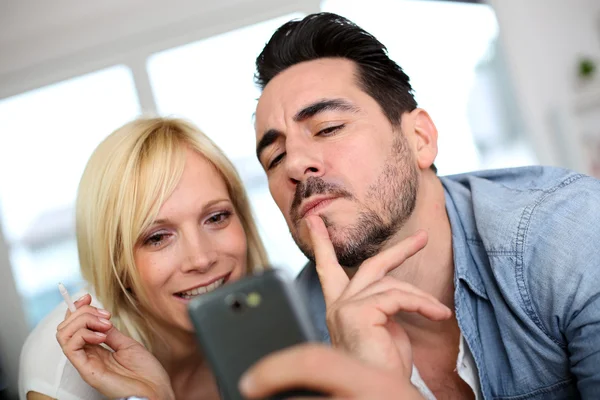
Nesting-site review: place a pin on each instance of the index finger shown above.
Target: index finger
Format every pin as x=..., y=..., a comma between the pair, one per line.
x=380, y=264
x=332, y=276
x=86, y=299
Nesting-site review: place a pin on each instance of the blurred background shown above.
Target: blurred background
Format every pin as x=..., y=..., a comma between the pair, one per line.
x=508, y=83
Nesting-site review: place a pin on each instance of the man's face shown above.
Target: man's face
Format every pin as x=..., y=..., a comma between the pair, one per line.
x=329, y=150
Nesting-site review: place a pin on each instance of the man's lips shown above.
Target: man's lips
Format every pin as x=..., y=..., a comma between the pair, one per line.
x=315, y=204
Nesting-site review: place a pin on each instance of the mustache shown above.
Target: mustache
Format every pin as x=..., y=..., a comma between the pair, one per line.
x=313, y=186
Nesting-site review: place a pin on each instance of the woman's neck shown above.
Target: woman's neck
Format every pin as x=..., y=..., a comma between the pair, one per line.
x=191, y=377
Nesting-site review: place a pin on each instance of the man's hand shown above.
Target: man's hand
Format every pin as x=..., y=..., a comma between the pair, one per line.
x=127, y=369
x=325, y=370
x=360, y=311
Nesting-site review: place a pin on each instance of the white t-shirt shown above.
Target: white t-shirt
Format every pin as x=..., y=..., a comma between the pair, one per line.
x=44, y=368
x=465, y=366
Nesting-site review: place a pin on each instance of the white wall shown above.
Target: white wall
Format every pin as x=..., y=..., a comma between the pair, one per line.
x=542, y=40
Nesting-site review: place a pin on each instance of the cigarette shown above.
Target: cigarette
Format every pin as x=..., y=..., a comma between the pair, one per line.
x=65, y=295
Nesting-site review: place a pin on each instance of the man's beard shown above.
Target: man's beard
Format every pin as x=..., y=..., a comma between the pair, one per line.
x=394, y=194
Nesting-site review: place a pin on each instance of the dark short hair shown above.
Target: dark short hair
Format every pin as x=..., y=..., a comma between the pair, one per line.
x=325, y=35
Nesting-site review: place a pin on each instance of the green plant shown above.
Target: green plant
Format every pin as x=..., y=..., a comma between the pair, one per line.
x=586, y=68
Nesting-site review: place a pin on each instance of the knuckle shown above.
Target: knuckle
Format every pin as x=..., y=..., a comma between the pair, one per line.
x=331, y=318
x=392, y=294
x=342, y=313
x=347, y=313
x=87, y=309
x=60, y=339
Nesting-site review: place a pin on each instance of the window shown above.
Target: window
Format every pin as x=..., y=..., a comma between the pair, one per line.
x=211, y=83
x=451, y=52
x=47, y=137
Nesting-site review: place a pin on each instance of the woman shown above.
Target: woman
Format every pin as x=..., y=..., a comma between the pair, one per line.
x=162, y=217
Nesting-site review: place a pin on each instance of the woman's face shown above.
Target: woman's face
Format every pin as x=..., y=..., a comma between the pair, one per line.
x=196, y=244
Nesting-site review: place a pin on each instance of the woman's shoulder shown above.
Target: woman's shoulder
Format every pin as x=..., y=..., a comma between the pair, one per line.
x=43, y=367
x=41, y=342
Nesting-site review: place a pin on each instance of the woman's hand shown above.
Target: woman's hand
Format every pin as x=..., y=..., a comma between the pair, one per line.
x=109, y=361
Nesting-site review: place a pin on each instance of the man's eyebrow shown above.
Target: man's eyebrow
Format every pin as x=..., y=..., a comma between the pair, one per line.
x=309, y=111
x=268, y=138
x=324, y=105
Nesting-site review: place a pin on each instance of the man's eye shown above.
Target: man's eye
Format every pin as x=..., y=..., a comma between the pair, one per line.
x=330, y=130
x=276, y=161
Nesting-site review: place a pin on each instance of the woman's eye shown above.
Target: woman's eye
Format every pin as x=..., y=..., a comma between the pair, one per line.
x=276, y=161
x=155, y=239
x=329, y=130
x=219, y=218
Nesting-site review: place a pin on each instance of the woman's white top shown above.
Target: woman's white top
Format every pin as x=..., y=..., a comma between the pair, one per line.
x=45, y=369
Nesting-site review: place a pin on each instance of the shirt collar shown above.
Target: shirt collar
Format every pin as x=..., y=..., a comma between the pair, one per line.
x=468, y=252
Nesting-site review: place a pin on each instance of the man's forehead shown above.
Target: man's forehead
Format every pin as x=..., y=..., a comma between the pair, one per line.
x=300, y=85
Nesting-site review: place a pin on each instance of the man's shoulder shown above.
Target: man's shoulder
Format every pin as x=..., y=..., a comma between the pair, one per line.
x=307, y=281
x=496, y=207
x=539, y=228
x=309, y=287
x=532, y=179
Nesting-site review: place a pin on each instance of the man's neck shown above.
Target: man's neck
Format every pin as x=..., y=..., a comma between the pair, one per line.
x=432, y=268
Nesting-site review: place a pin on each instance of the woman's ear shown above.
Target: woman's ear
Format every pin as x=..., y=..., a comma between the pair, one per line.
x=425, y=137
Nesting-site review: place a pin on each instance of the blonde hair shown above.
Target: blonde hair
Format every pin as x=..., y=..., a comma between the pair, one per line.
x=127, y=179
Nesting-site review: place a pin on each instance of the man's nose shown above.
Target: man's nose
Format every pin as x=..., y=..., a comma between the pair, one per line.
x=303, y=160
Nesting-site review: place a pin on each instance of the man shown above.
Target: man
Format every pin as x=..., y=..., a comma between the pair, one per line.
x=513, y=253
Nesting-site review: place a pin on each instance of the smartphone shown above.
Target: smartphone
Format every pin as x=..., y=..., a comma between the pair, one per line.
x=240, y=323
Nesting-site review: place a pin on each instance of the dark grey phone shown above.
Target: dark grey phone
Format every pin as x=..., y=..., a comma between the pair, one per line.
x=240, y=323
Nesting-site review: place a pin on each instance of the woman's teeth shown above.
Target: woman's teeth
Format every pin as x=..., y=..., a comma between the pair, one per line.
x=201, y=290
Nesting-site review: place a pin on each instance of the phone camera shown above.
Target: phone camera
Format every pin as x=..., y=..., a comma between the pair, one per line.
x=236, y=302
x=236, y=305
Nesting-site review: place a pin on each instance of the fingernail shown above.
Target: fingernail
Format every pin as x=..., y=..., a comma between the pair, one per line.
x=81, y=298
x=103, y=312
x=246, y=384
x=104, y=321
x=308, y=223
x=100, y=334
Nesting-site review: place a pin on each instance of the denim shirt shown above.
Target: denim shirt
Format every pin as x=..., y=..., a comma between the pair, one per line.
x=526, y=245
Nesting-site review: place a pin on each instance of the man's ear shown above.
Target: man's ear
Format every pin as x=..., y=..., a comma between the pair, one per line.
x=425, y=138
